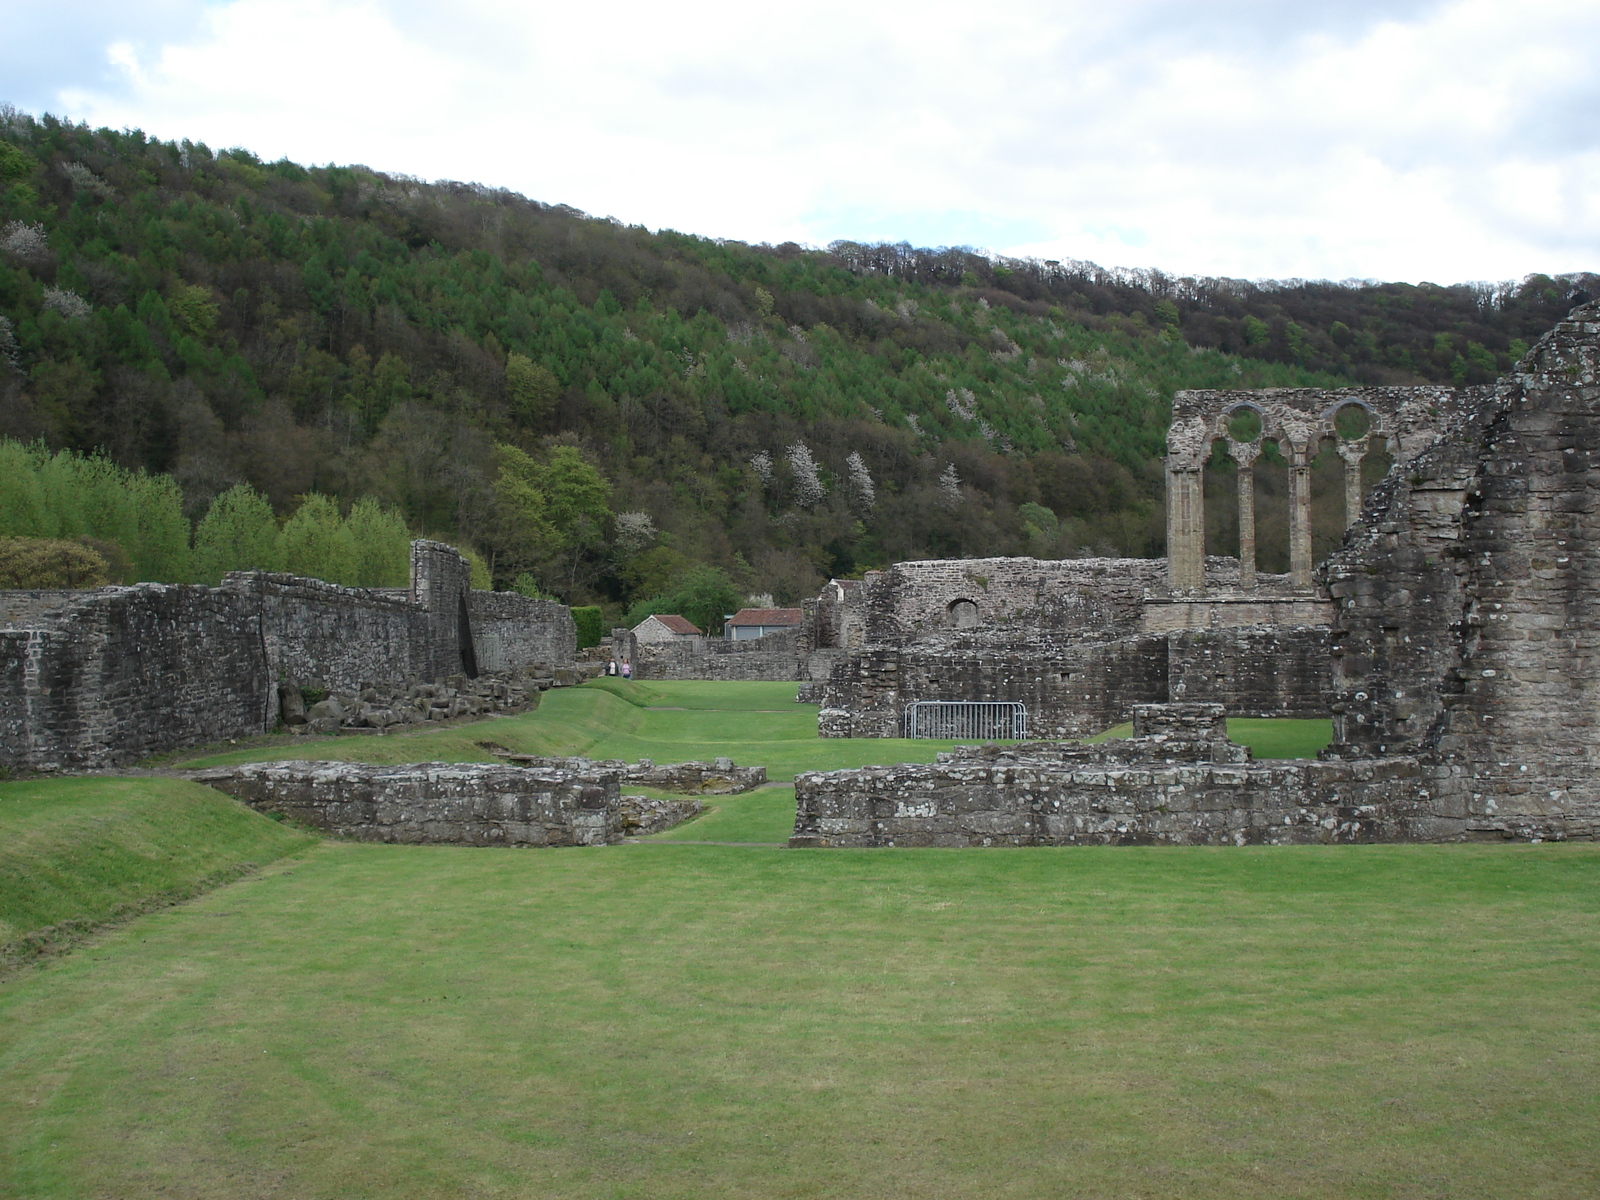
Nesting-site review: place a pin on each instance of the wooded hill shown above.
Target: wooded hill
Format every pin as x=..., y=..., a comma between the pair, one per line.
x=605, y=407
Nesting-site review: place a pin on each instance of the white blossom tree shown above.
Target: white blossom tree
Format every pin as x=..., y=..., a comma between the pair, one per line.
x=635, y=531
x=950, y=485
x=861, y=480
x=808, y=487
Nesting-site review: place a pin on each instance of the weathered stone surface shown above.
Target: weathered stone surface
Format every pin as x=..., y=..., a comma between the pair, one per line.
x=470, y=804
x=718, y=778
x=1075, y=641
x=107, y=676
x=1468, y=628
x=1138, y=791
x=1466, y=666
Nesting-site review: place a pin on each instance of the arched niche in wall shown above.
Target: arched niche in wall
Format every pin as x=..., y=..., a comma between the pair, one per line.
x=962, y=614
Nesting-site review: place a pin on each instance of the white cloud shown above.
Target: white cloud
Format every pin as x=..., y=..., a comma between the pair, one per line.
x=1423, y=140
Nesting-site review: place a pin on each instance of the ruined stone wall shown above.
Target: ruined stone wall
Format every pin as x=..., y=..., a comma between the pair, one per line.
x=1252, y=672
x=777, y=656
x=469, y=804
x=441, y=582
x=1089, y=595
x=1134, y=792
x=513, y=633
x=1073, y=640
x=1070, y=690
x=126, y=671
x=112, y=674
x=1469, y=612
x=22, y=609
x=721, y=777
x=328, y=636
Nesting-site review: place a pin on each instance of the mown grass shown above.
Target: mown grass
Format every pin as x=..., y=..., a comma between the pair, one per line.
x=692, y=1021
x=755, y=724
x=764, y=817
x=666, y=1019
x=77, y=852
x=1266, y=737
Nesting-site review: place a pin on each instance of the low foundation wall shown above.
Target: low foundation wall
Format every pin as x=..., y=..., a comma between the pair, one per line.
x=1063, y=795
x=721, y=777
x=1179, y=782
x=468, y=804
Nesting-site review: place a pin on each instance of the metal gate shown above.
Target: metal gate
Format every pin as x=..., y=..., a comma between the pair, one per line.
x=982, y=720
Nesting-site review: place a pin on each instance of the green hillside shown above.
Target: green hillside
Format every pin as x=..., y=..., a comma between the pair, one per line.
x=602, y=408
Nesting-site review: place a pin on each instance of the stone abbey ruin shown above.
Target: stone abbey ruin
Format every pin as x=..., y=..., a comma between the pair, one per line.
x=1452, y=637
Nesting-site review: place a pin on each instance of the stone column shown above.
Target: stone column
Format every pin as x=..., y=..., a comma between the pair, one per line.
x=1186, y=563
x=1300, y=518
x=1244, y=457
x=1352, y=452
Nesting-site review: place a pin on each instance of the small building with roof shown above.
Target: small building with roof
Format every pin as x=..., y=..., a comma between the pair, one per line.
x=665, y=628
x=750, y=623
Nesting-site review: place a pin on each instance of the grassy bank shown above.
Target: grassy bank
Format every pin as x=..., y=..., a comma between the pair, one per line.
x=683, y=1021
x=75, y=853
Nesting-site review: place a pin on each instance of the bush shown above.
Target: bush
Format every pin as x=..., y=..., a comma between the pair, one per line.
x=591, y=626
x=49, y=563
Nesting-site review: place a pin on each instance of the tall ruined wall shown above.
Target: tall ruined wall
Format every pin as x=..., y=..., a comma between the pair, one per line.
x=1070, y=690
x=19, y=609
x=110, y=675
x=441, y=581
x=1089, y=595
x=511, y=631
x=1469, y=613
x=1252, y=672
x=334, y=637
x=1071, y=639
x=125, y=672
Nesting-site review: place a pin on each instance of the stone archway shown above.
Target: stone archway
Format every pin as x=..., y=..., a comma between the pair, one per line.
x=1298, y=420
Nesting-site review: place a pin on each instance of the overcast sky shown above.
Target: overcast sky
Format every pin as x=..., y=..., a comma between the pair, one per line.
x=1445, y=140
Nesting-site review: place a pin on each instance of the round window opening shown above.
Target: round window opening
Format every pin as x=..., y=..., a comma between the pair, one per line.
x=964, y=614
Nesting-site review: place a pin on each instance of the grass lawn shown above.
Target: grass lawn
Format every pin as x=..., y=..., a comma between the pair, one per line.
x=76, y=852
x=1267, y=738
x=755, y=724
x=696, y=1021
x=668, y=1019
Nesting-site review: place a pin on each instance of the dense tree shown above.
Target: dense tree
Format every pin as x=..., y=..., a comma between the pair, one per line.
x=49, y=563
x=238, y=533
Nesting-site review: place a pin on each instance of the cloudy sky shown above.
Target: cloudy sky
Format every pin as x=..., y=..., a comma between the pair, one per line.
x=1445, y=140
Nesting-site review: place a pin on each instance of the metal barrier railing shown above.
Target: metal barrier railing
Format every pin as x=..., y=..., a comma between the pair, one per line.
x=960, y=720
